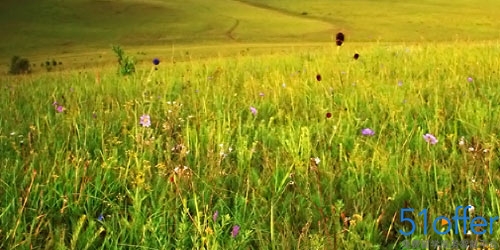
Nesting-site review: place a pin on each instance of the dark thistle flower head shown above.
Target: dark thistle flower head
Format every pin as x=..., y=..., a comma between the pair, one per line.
x=339, y=38
x=156, y=61
x=328, y=115
x=318, y=77
x=356, y=56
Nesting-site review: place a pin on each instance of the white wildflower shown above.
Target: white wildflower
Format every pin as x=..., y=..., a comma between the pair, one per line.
x=317, y=160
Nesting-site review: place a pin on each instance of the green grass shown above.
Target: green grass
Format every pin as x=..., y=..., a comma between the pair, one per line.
x=80, y=32
x=66, y=27
x=158, y=187
x=91, y=177
x=368, y=20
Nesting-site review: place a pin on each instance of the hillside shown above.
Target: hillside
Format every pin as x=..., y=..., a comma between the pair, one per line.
x=82, y=25
x=81, y=32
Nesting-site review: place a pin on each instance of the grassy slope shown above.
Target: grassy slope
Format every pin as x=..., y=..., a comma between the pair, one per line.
x=80, y=32
x=72, y=26
x=389, y=20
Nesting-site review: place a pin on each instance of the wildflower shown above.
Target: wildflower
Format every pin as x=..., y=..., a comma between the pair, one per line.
x=236, y=230
x=317, y=160
x=318, y=77
x=339, y=38
x=283, y=85
x=216, y=214
x=60, y=109
x=471, y=209
x=469, y=79
x=367, y=132
x=462, y=141
x=253, y=110
x=261, y=94
x=100, y=218
x=429, y=138
x=356, y=56
x=328, y=115
x=55, y=103
x=400, y=83
x=156, y=61
x=145, y=121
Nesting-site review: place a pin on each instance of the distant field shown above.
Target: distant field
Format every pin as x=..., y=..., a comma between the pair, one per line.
x=82, y=31
x=399, y=20
x=73, y=26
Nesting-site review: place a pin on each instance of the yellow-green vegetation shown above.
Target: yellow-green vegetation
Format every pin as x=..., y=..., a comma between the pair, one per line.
x=241, y=125
x=98, y=161
x=80, y=32
x=389, y=20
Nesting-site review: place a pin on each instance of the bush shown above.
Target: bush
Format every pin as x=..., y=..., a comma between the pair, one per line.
x=126, y=63
x=19, y=65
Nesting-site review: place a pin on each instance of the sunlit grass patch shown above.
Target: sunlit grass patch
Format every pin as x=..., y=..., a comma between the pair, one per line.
x=307, y=150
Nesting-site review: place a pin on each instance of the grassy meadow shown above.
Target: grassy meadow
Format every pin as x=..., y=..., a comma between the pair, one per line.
x=265, y=137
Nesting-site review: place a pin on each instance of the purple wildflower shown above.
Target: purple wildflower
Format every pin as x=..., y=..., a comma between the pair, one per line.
x=100, y=218
x=145, y=121
x=429, y=138
x=236, y=230
x=55, y=103
x=216, y=214
x=156, y=61
x=469, y=79
x=253, y=110
x=367, y=132
x=60, y=109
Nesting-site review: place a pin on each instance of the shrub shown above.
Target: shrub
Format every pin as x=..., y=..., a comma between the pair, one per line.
x=19, y=65
x=126, y=63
